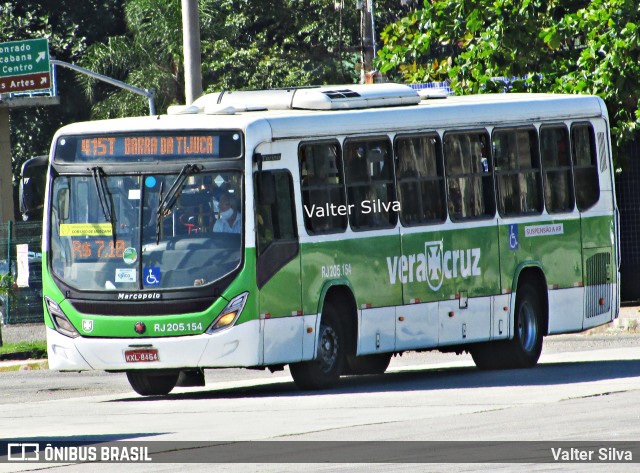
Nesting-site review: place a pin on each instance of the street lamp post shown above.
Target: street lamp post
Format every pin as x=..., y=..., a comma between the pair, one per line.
x=191, y=45
x=367, y=40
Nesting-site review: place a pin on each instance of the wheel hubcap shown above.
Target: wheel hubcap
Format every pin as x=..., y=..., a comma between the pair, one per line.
x=328, y=348
x=527, y=326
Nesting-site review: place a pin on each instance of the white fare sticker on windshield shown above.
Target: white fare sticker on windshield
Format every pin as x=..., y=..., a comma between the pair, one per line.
x=126, y=275
x=134, y=194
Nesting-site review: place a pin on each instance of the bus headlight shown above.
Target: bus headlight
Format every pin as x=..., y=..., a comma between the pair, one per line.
x=230, y=313
x=60, y=320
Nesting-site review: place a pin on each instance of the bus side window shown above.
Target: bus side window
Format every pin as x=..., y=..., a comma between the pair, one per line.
x=470, y=192
x=370, y=183
x=517, y=171
x=556, y=164
x=322, y=185
x=585, y=167
x=275, y=214
x=420, y=178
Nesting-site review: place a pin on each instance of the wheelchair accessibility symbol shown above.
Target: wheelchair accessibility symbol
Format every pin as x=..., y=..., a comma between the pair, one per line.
x=513, y=237
x=152, y=276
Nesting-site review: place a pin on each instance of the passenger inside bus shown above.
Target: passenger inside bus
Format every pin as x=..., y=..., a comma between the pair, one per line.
x=196, y=214
x=230, y=218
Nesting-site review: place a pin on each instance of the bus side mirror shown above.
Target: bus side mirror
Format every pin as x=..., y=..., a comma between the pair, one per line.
x=32, y=185
x=28, y=201
x=266, y=188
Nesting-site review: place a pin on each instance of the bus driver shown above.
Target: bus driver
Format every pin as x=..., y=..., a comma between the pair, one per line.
x=230, y=219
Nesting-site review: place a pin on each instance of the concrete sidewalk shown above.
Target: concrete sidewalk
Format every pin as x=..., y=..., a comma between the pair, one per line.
x=23, y=333
x=628, y=321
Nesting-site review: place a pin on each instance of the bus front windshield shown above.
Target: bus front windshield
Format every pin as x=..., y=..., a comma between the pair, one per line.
x=145, y=232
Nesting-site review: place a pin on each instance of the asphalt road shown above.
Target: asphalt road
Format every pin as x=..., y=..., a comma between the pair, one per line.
x=586, y=388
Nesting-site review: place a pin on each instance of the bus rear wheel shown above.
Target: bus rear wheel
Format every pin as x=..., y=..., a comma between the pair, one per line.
x=324, y=371
x=152, y=382
x=369, y=364
x=523, y=351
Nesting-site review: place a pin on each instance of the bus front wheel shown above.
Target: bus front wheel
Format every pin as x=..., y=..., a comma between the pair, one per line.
x=324, y=371
x=153, y=382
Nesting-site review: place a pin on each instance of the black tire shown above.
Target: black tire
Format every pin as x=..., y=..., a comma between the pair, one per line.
x=153, y=382
x=369, y=364
x=324, y=372
x=523, y=351
x=527, y=340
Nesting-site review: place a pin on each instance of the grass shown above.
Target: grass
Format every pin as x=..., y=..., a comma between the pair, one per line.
x=31, y=350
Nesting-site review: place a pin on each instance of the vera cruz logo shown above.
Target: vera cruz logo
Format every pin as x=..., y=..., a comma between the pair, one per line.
x=434, y=265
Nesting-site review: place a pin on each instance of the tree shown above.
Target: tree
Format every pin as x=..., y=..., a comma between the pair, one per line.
x=246, y=44
x=539, y=46
x=70, y=26
x=146, y=54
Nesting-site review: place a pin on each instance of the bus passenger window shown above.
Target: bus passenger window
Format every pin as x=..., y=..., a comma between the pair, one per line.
x=556, y=164
x=468, y=167
x=585, y=167
x=369, y=176
x=517, y=171
x=420, y=176
x=322, y=185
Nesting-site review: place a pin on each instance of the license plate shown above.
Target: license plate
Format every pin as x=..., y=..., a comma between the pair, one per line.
x=141, y=356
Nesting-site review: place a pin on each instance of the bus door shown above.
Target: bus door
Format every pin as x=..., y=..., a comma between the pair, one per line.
x=595, y=200
x=278, y=267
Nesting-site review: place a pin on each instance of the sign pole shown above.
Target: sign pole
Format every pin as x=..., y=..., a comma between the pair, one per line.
x=6, y=176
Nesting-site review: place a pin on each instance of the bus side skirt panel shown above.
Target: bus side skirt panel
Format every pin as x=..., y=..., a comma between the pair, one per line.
x=565, y=309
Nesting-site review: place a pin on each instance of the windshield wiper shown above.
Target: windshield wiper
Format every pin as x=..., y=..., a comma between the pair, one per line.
x=103, y=197
x=167, y=202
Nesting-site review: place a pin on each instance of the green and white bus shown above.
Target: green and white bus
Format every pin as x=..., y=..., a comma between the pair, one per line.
x=327, y=229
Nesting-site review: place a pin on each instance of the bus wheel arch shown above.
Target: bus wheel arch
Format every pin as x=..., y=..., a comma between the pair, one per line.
x=534, y=276
x=333, y=343
x=528, y=327
x=343, y=297
x=530, y=324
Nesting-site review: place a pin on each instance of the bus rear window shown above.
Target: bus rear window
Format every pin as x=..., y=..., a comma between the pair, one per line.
x=146, y=147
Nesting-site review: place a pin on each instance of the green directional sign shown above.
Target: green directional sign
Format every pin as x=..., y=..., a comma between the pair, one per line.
x=24, y=65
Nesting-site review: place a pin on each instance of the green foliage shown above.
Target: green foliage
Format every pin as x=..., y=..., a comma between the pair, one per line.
x=70, y=26
x=246, y=44
x=588, y=47
x=35, y=349
x=147, y=55
x=7, y=287
x=260, y=44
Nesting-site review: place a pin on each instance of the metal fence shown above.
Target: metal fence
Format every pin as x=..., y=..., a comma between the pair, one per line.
x=628, y=196
x=25, y=304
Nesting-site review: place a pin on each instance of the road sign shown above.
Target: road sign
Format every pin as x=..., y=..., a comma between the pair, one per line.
x=24, y=65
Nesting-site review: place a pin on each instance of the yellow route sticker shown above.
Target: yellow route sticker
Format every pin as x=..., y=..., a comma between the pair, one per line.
x=85, y=229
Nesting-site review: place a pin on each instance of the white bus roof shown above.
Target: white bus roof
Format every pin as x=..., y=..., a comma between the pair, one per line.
x=369, y=113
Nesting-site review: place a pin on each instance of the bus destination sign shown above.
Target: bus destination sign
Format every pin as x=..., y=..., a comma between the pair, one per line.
x=109, y=146
x=149, y=147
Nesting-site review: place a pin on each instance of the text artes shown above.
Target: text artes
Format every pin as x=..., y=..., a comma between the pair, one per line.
x=366, y=207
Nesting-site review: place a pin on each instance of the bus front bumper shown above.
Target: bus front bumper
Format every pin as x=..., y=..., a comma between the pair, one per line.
x=238, y=346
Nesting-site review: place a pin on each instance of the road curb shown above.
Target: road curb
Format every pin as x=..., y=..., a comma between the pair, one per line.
x=23, y=365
